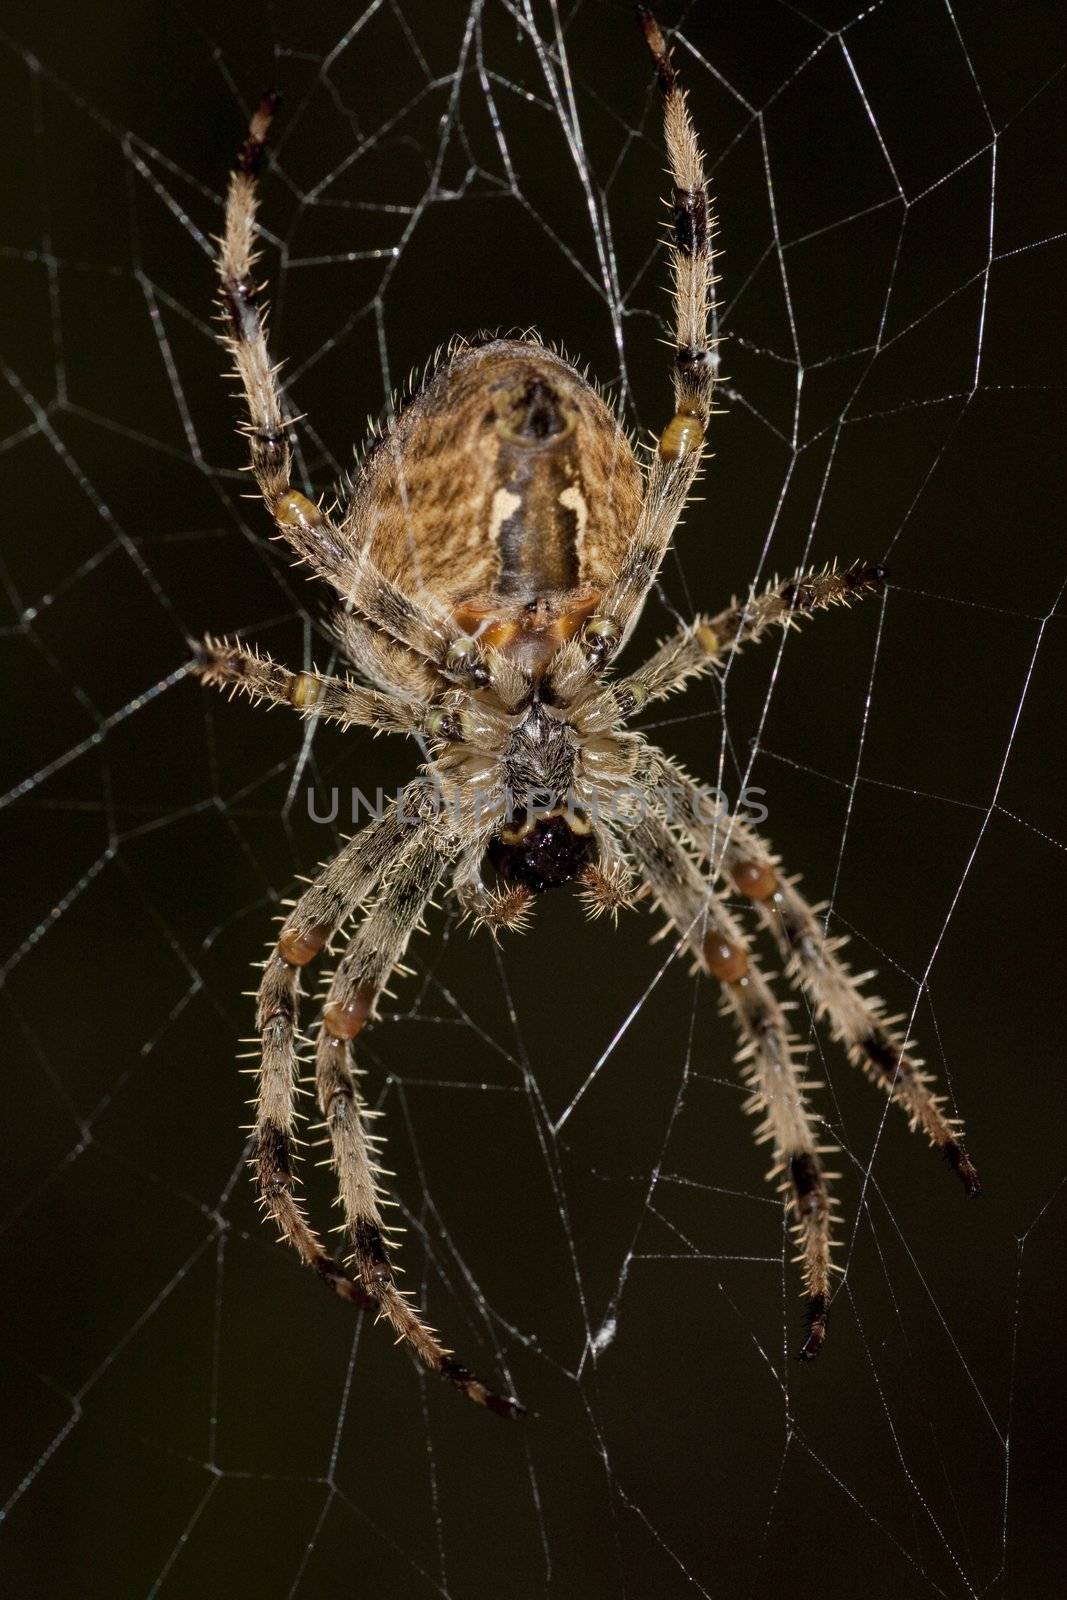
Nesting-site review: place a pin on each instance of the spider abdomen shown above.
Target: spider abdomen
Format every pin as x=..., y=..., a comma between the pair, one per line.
x=505, y=491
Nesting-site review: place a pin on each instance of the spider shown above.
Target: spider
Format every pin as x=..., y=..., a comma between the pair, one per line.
x=494, y=555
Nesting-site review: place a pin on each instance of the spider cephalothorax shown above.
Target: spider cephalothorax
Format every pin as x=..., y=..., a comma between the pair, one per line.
x=495, y=553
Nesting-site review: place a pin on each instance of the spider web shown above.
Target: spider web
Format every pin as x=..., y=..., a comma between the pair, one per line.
x=586, y=1214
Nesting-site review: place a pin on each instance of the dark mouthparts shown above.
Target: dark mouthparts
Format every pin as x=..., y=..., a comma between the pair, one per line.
x=543, y=851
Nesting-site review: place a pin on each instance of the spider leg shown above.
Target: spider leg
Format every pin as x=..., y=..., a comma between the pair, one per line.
x=342, y=885
x=769, y=1055
x=339, y=887
x=453, y=720
x=677, y=459
x=381, y=660
x=495, y=909
x=307, y=529
x=707, y=642
x=856, y=1019
x=219, y=662
x=363, y=970
x=607, y=884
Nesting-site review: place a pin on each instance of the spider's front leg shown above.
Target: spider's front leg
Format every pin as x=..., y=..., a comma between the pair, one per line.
x=338, y=889
x=857, y=1019
x=374, y=953
x=401, y=856
x=769, y=1055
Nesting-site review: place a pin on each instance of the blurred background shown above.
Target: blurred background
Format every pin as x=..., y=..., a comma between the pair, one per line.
x=187, y=1413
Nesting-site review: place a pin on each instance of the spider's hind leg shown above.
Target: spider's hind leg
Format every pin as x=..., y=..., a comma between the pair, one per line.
x=331, y=552
x=673, y=469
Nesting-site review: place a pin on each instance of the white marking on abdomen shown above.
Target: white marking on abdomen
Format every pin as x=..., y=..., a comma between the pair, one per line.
x=573, y=499
x=504, y=505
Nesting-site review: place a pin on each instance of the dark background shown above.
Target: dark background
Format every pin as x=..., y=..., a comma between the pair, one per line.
x=188, y=1413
